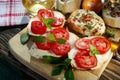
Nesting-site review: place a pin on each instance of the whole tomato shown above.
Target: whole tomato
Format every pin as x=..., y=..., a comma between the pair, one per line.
x=93, y=5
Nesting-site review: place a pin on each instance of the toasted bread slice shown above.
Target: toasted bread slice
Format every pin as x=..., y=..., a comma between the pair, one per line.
x=111, y=21
x=86, y=22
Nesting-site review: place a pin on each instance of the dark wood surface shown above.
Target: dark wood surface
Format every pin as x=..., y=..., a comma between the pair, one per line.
x=112, y=72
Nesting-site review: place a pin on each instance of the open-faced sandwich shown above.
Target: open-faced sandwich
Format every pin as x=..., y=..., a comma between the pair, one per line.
x=90, y=52
x=86, y=22
x=50, y=38
x=111, y=13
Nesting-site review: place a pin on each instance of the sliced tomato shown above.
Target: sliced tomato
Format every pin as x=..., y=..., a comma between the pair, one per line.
x=43, y=46
x=82, y=44
x=102, y=44
x=84, y=60
x=58, y=22
x=44, y=13
x=37, y=27
x=60, y=49
x=60, y=33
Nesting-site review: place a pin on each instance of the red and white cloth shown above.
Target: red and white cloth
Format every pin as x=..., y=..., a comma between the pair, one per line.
x=12, y=12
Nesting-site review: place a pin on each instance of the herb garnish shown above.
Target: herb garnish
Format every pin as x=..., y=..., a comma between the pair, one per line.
x=61, y=41
x=62, y=64
x=93, y=50
x=48, y=22
x=40, y=39
x=51, y=37
x=109, y=34
x=24, y=38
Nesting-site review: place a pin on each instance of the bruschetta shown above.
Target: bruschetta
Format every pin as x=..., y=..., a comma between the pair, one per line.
x=86, y=22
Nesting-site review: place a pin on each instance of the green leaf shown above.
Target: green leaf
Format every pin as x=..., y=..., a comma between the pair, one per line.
x=93, y=50
x=51, y=37
x=48, y=22
x=24, y=38
x=52, y=59
x=40, y=39
x=57, y=70
x=109, y=34
x=67, y=62
x=61, y=41
x=69, y=75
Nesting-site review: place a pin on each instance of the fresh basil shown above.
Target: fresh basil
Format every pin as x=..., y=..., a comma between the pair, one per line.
x=93, y=50
x=69, y=75
x=48, y=22
x=52, y=59
x=67, y=62
x=51, y=37
x=24, y=38
x=61, y=41
x=57, y=70
x=62, y=64
x=40, y=39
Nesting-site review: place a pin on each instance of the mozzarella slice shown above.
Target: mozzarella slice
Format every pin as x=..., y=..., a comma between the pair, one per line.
x=38, y=53
x=72, y=39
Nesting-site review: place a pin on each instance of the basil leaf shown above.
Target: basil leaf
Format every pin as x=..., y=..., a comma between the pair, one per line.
x=52, y=59
x=69, y=75
x=51, y=37
x=48, y=22
x=67, y=62
x=40, y=39
x=57, y=70
x=61, y=41
x=24, y=38
x=93, y=50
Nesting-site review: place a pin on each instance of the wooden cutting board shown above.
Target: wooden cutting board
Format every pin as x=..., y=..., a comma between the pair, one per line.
x=21, y=52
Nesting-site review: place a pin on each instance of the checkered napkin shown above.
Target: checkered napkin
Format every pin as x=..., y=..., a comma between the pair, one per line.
x=12, y=12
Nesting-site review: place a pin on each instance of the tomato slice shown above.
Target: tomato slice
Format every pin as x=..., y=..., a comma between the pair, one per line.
x=44, y=13
x=60, y=33
x=102, y=44
x=43, y=46
x=60, y=49
x=58, y=22
x=37, y=27
x=84, y=60
x=82, y=44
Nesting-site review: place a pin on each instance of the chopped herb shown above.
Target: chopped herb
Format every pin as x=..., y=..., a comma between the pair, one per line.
x=89, y=26
x=109, y=34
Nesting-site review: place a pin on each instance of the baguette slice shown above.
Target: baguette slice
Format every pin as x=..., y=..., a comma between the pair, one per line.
x=86, y=22
x=111, y=21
